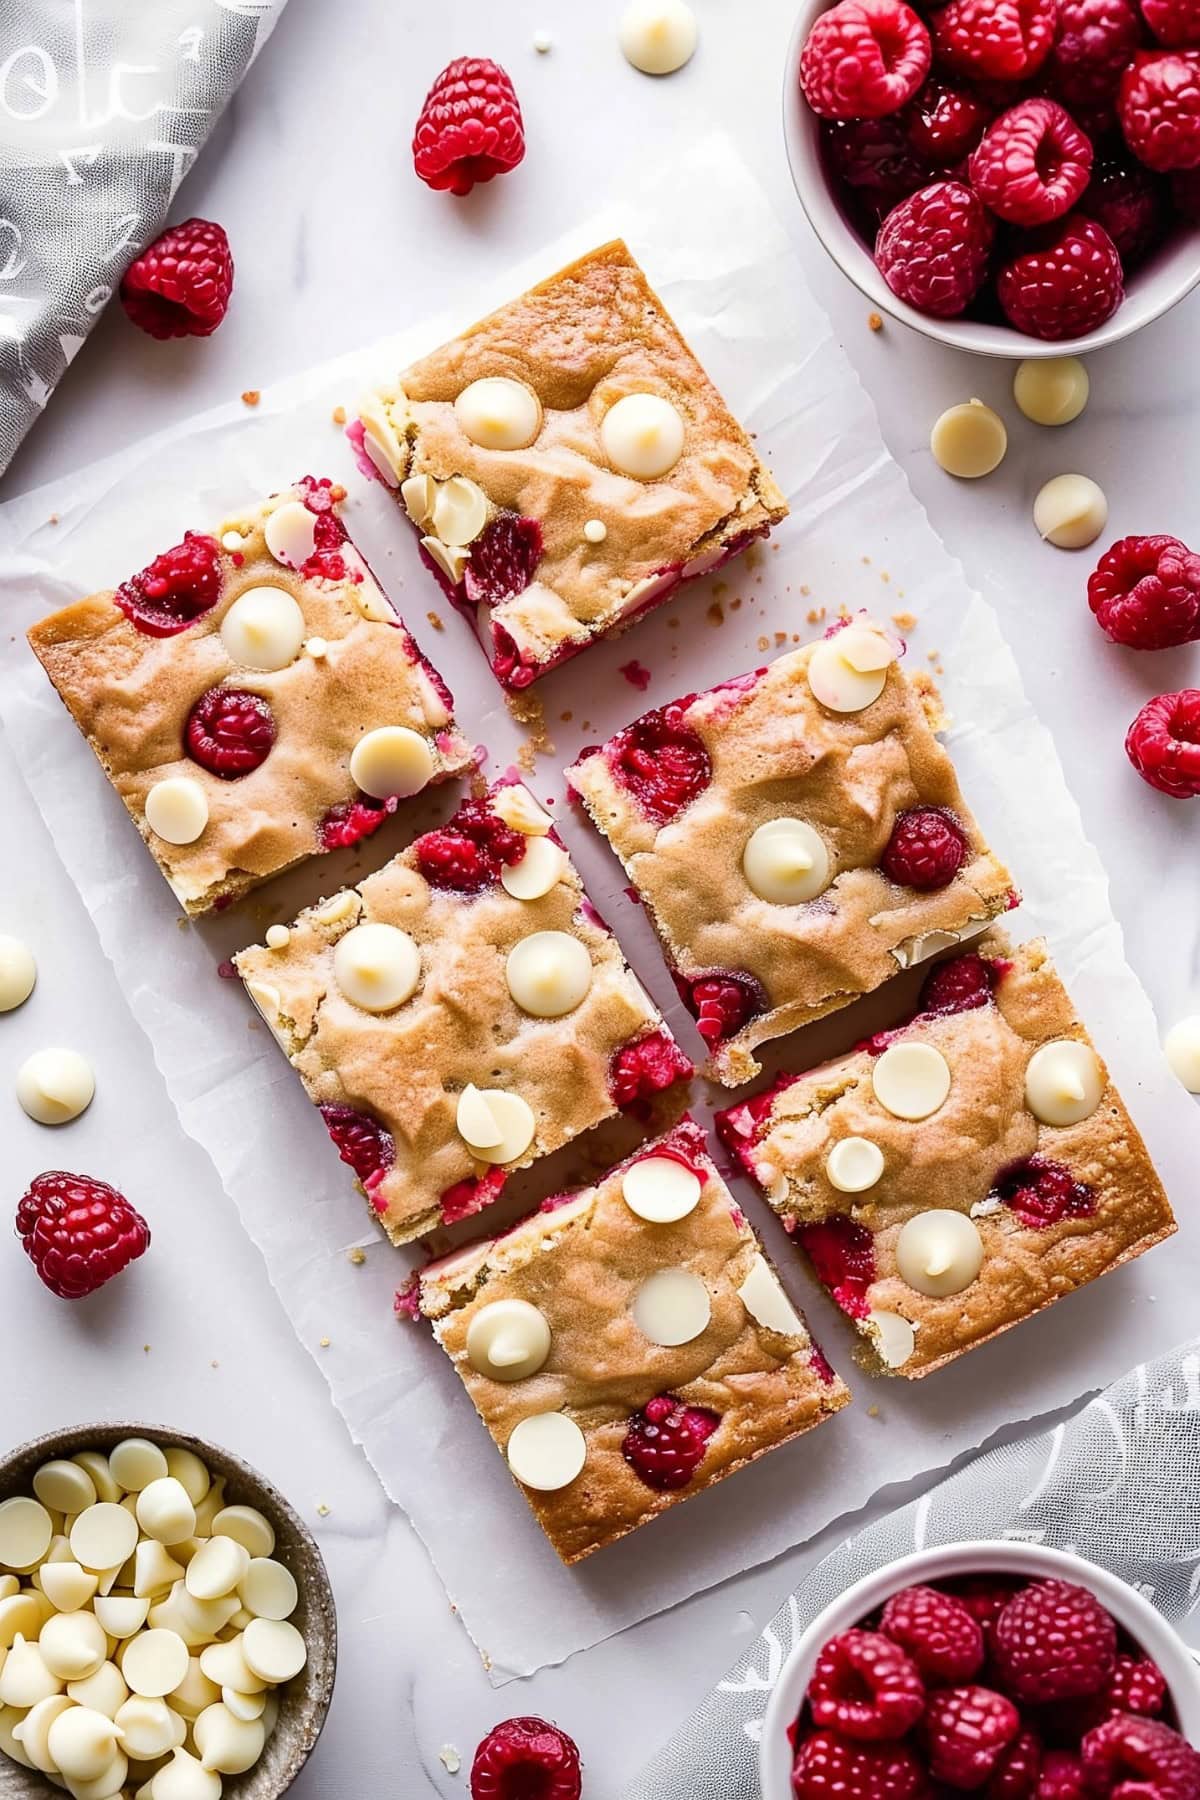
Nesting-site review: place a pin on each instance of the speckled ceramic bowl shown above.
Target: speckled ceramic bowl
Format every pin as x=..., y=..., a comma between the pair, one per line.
x=303, y=1702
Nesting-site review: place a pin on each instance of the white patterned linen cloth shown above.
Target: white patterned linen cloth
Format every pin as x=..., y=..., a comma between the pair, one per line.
x=1115, y=1484
x=104, y=106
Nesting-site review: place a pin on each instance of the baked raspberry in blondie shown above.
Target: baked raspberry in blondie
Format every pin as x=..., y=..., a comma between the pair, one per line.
x=460, y=1014
x=796, y=836
x=252, y=696
x=628, y=1345
x=954, y=1176
x=567, y=463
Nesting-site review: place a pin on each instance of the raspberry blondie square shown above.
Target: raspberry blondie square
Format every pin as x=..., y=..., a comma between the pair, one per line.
x=567, y=463
x=461, y=1014
x=628, y=1345
x=252, y=696
x=956, y=1175
x=797, y=835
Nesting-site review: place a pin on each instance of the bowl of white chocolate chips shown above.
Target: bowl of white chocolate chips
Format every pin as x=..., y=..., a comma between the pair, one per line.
x=167, y=1627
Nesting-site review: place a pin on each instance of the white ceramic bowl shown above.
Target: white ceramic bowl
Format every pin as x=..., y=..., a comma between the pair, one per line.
x=983, y=1557
x=1158, y=285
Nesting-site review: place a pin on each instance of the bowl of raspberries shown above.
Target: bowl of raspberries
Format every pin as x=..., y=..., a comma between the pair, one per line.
x=1005, y=1670
x=1008, y=176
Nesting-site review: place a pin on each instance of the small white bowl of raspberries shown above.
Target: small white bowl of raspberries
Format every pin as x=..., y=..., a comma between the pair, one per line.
x=1005, y=1670
x=1007, y=176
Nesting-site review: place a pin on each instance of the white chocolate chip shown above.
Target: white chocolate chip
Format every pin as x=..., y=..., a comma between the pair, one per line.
x=969, y=440
x=24, y=1677
x=232, y=540
x=847, y=672
x=73, y=1645
x=226, y=1743
x=939, y=1252
x=893, y=1336
x=477, y=1124
x=786, y=862
x=64, y=1487
x=246, y=1525
x=244, y=1706
x=155, y=1570
x=450, y=561
x=177, y=809
x=154, y=1663
x=854, y=1165
x=543, y=43
x=226, y=1666
x=25, y=1531
x=104, y=1536
x=135, y=1462
x=263, y=629
x=81, y=1743
x=217, y=1568
x=121, y=1614
x=672, y=1307
x=1070, y=512
x=291, y=534
x=278, y=937
x=32, y=1733
x=104, y=1691
x=520, y=811
x=316, y=647
x=764, y=1299
x=460, y=511
x=549, y=974
x=102, y=1477
x=268, y=1589
x=150, y=1729
x=508, y=1340
x=541, y=868
x=418, y=493
x=185, y=1778
x=1181, y=1047
x=274, y=1650
x=20, y=1617
x=1051, y=390
x=595, y=531
x=660, y=1189
x=546, y=1451
x=346, y=905
x=18, y=972
x=164, y=1511
x=642, y=436
x=377, y=967
x=1064, y=1082
x=393, y=761
x=498, y=413
x=658, y=36
x=371, y=604
x=911, y=1081
x=68, y=1586
x=506, y=1121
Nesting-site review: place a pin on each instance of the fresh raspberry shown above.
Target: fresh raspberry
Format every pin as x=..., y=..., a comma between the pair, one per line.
x=829, y=1767
x=1131, y=204
x=1173, y=22
x=361, y=1141
x=966, y=1730
x=1093, y=42
x=985, y=1598
x=1138, y=1685
x=646, y=1067
x=468, y=853
x=1065, y=281
x=229, y=732
x=1015, y=1776
x=662, y=761
x=503, y=559
x=933, y=249
x=463, y=1199
x=1159, y=107
x=666, y=1442
x=875, y=160
x=1185, y=194
x=1042, y=1193
x=470, y=126
x=1033, y=163
x=925, y=851
x=959, y=985
x=177, y=588
x=78, y=1232
x=864, y=1686
x=842, y=1254
x=1061, y=1776
x=350, y=821
x=994, y=40
x=863, y=59
x=1145, y=593
x=939, y=1633
x=1163, y=743
x=721, y=1002
x=945, y=123
x=526, y=1759
x=180, y=286
x=1054, y=1641
x=1132, y=1758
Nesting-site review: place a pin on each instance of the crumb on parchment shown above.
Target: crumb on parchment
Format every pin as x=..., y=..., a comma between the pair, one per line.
x=905, y=621
x=251, y=396
x=338, y=415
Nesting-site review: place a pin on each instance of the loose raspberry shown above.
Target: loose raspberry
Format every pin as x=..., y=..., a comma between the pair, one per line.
x=940, y=1634
x=1054, y=1641
x=463, y=1199
x=468, y=853
x=647, y=1067
x=178, y=587
x=966, y=1730
x=361, y=1141
x=229, y=732
x=863, y=59
x=666, y=1442
x=352, y=820
x=1015, y=1776
x=1061, y=1777
x=1093, y=42
x=1140, y=1759
x=945, y=123
x=1064, y=282
x=864, y=1686
x=1159, y=107
x=959, y=985
x=1173, y=22
x=470, y=127
x=526, y=1759
x=721, y=1002
x=1163, y=743
x=994, y=40
x=1043, y=1193
x=829, y=1767
x=842, y=1253
x=1131, y=204
x=78, y=1232
x=925, y=851
x=180, y=286
x=933, y=249
x=1145, y=593
x=503, y=559
x=1033, y=163
x=662, y=761
x=875, y=160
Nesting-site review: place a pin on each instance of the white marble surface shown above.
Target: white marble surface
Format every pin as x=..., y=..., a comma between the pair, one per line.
x=336, y=244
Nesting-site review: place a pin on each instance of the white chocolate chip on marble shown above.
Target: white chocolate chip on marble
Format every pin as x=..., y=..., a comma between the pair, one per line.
x=939, y=1252
x=1070, y=512
x=391, y=762
x=658, y=36
x=1064, y=1082
x=660, y=1189
x=1051, y=390
x=377, y=967
x=177, y=809
x=642, y=436
x=547, y=1451
x=911, y=1081
x=54, y=1086
x=263, y=629
x=786, y=862
x=1181, y=1047
x=291, y=533
x=969, y=440
x=18, y=972
x=508, y=1340
x=854, y=1165
x=498, y=413
x=764, y=1299
x=549, y=973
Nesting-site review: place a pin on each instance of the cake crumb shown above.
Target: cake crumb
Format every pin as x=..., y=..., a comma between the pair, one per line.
x=338, y=415
x=146, y=1349
x=449, y=1758
x=720, y=589
x=528, y=711
x=806, y=590
x=884, y=576
x=53, y=519
x=323, y=1510
x=566, y=717
x=716, y=613
x=337, y=493
x=251, y=397
x=543, y=43
x=874, y=322
x=764, y=643
x=324, y=1343
x=358, y=1256
x=905, y=621
x=873, y=1412
x=435, y=620
x=781, y=637
x=214, y=1364
x=673, y=622
x=735, y=603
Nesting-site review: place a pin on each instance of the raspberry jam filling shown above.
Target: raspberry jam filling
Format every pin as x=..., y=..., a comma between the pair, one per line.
x=661, y=761
x=467, y=854
x=229, y=732
x=503, y=559
x=646, y=1067
x=177, y=588
x=721, y=1002
x=352, y=820
x=666, y=1441
x=1043, y=1193
x=321, y=497
x=465, y=1198
x=686, y=1145
x=843, y=1258
x=361, y=1141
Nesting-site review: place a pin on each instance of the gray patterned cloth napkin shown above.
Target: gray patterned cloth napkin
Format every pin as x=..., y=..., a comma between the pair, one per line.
x=1116, y=1484
x=104, y=105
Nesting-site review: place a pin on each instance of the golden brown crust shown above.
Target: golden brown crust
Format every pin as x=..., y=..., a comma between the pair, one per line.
x=775, y=751
x=130, y=694
x=582, y=1266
